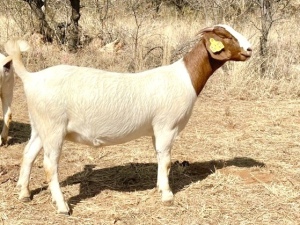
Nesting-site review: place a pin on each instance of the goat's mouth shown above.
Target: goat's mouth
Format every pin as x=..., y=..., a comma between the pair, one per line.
x=247, y=55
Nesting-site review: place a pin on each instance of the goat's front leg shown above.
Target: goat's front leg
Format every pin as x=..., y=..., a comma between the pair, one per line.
x=163, y=143
x=7, y=117
x=52, y=150
x=31, y=150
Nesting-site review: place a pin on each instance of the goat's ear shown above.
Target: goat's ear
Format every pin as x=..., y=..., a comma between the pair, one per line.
x=215, y=46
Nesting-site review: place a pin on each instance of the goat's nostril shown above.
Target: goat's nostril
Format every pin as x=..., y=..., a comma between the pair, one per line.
x=249, y=49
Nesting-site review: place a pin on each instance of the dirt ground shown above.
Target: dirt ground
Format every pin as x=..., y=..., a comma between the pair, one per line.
x=237, y=162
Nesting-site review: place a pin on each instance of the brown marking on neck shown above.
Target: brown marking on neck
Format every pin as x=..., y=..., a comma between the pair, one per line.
x=200, y=65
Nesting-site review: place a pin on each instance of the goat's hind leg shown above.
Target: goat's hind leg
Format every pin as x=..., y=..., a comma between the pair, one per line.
x=31, y=150
x=52, y=150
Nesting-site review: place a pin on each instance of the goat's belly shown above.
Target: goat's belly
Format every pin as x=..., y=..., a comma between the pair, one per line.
x=98, y=131
x=78, y=138
x=99, y=141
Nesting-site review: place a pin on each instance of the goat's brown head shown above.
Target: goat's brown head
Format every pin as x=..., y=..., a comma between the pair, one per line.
x=224, y=43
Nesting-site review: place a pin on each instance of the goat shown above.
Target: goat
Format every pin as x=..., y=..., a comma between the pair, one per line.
x=6, y=91
x=100, y=108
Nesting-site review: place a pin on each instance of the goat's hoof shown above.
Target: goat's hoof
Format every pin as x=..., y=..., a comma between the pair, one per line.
x=168, y=203
x=63, y=213
x=3, y=142
x=63, y=209
x=25, y=199
x=167, y=198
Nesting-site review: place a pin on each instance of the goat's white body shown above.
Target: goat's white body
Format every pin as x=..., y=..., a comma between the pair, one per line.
x=6, y=94
x=101, y=108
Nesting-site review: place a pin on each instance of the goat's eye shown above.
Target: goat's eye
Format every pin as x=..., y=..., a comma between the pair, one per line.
x=224, y=37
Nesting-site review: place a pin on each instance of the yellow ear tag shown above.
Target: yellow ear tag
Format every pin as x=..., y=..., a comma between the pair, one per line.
x=215, y=46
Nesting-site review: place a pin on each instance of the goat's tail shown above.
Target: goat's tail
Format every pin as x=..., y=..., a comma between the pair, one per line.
x=14, y=48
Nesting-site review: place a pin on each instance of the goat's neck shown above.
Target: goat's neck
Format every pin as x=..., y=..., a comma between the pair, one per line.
x=200, y=65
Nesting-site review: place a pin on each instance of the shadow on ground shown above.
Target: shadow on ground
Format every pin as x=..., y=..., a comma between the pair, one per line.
x=18, y=132
x=142, y=176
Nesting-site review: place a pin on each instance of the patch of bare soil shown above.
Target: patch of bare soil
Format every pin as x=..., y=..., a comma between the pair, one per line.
x=237, y=162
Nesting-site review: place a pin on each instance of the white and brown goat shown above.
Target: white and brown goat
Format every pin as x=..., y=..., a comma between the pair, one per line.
x=100, y=108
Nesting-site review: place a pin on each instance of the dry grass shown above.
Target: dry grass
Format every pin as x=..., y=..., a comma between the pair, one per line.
x=242, y=142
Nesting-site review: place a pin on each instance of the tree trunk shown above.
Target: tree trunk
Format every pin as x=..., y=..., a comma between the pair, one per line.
x=43, y=27
x=60, y=28
x=73, y=29
x=266, y=23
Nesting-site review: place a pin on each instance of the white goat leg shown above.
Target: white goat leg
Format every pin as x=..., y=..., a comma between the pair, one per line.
x=31, y=150
x=7, y=116
x=163, y=144
x=51, y=165
x=52, y=149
